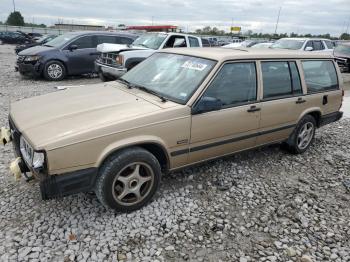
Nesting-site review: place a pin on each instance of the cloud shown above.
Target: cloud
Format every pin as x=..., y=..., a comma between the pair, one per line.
x=307, y=16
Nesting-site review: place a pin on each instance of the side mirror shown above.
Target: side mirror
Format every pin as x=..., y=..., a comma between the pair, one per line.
x=309, y=48
x=72, y=47
x=206, y=104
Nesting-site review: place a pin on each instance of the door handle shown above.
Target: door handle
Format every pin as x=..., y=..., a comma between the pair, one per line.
x=253, y=109
x=325, y=100
x=300, y=101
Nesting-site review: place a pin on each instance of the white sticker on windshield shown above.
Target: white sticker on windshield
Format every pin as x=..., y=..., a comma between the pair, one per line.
x=194, y=65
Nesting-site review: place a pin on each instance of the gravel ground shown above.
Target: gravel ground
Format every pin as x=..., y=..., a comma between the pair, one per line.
x=262, y=205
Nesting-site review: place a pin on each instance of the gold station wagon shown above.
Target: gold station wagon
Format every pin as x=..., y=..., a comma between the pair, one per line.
x=177, y=108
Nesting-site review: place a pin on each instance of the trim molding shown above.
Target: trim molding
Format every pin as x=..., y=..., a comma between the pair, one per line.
x=228, y=141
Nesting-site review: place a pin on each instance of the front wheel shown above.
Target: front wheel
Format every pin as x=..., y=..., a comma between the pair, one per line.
x=128, y=180
x=54, y=71
x=303, y=135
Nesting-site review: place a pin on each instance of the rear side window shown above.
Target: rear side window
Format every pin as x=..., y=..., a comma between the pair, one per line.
x=235, y=84
x=84, y=42
x=320, y=76
x=101, y=39
x=280, y=79
x=205, y=42
x=193, y=41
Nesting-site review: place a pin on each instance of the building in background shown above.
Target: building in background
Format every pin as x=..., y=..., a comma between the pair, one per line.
x=76, y=27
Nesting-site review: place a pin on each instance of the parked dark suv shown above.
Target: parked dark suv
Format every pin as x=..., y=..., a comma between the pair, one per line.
x=69, y=54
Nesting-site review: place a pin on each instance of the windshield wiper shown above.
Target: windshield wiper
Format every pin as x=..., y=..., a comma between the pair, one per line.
x=125, y=82
x=145, y=89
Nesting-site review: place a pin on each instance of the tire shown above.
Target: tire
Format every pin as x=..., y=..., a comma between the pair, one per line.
x=302, y=136
x=54, y=71
x=128, y=180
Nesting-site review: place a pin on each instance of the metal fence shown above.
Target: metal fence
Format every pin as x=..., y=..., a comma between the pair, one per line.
x=34, y=29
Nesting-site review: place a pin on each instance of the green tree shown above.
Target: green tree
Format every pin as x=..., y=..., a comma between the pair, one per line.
x=345, y=36
x=15, y=18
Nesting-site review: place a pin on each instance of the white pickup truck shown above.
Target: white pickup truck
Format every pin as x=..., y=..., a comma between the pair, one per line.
x=115, y=59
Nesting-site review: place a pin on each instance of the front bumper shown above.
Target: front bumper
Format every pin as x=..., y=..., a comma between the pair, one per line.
x=109, y=70
x=32, y=69
x=56, y=186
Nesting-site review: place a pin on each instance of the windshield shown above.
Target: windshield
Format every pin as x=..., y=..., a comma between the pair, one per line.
x=60, y=40
x=288, y=44
x=152, y=41
x=343, y=49
x=173, y=76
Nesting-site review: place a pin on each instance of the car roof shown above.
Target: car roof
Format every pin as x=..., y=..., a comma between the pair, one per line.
x=304, y=38
x=79, y=33
x=222, y=54
x=170, y=33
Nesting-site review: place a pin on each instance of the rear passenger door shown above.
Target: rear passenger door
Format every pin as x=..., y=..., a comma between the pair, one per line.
x=234, y=126
x=282, y=100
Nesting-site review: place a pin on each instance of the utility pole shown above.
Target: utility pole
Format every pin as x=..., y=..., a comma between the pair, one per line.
x=14, y=5
x=278, y=19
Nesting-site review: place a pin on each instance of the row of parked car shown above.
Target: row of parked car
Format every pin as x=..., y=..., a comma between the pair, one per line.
x=112, y=54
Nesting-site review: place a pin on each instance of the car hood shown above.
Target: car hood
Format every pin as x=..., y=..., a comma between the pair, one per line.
x=106, y=48
x=36, y=50
x=48, y=119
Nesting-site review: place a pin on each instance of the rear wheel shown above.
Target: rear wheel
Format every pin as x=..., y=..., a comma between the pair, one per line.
x=303, y=135
x=54, y=71
x=128, y=180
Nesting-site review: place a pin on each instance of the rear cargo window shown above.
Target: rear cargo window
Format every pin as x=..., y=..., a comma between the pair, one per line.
x=320, y=76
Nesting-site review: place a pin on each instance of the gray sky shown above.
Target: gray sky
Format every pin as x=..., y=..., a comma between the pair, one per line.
x=300, y=16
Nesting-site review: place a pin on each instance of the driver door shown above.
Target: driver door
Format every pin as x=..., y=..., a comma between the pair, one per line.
x=81, y=60
x=235, y=126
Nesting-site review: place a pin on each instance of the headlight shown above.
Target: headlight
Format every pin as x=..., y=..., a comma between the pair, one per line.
x=120, y=59
x=32, y=158
x=31, y=58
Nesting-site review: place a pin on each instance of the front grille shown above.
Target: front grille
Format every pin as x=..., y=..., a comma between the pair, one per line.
x=108, y=58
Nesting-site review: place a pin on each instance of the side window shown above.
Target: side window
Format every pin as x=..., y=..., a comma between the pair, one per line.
x=309, y=44
x=235, y=84
x=84, y=42
x=123, y=40
x=101, y=39
x=176, y=41
x=296, y=83
x=320, y=76
x=318, y=45
x=329, y=44
x=280, y=79
x=193, y=41
x=205, y=42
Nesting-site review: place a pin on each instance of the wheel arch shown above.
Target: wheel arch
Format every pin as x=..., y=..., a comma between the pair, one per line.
x=315, y=113
x=55, y=59
x=154, y=146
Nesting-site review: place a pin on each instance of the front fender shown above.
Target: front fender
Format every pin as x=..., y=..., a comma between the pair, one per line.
x=129, y=142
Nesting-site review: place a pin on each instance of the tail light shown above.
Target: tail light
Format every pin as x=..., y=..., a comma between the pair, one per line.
x=342, y=98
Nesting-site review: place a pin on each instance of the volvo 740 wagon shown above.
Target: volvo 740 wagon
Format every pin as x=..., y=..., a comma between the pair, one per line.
x=177, y=108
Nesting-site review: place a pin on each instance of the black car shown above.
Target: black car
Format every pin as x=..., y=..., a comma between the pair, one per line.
x=14, y=38
x=69, y=54
x=41, y=41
